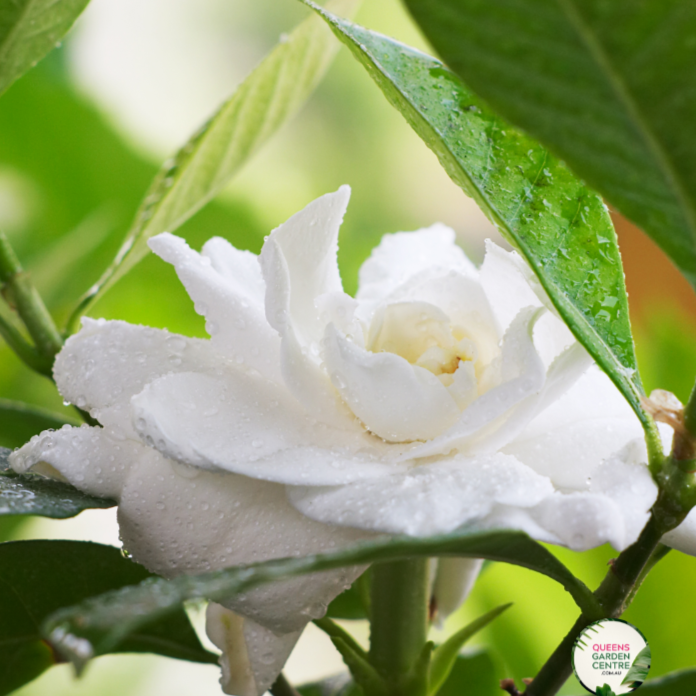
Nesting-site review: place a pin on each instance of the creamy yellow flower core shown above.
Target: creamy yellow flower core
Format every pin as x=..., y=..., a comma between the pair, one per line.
x=422, y=334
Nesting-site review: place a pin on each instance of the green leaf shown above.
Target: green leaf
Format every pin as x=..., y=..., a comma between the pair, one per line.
x=39, y=577
x=608, y=86
x=19, y=422
x=675, y=684
x=350, y=604
x=605, y=690
x=562, y=228
x=638, y=672
x=29, y=29
x=31, y=494
x=365, y=675
x=102, y=622
x=473, y=674
x=271, y=95
x=445, y=655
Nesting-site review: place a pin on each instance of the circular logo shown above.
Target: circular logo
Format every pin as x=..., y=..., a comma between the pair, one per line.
x=611, y=657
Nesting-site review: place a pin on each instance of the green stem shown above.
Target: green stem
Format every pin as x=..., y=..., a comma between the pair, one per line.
x=26, y=352
x=614, y=594
x=690, y=413
x=21, y=294
x=399, y=620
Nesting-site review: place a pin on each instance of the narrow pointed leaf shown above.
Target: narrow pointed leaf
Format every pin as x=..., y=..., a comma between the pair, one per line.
x=104, y=621
x=19, y=422
x=29, y=29
x=562, y=228
x=39, y=577
x=445, y=655
x=365, y=675
x=31, y=494
x=269, y=97
x=608, y=86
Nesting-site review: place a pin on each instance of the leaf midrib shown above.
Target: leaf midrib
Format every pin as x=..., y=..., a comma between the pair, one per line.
x=623, y=93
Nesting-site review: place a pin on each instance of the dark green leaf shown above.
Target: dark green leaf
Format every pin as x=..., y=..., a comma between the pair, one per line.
x=350, y=604
x=445, y=655
x=270, y=96
x=19, y=422
x=605, y=690
x=560, y=227
x=29, y=29
x=31, y=494
x=675, y=684
x=608, y=86
x=638, y=672
x=473, y=674
x=102, y=622
x=39, y=577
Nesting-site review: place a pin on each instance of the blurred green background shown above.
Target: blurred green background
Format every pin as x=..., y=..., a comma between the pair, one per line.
x=82, y=135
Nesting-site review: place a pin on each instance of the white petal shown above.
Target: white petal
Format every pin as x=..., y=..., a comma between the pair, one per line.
x=395, y=400
x=107, y=362
x=91, y=459
x=176, y=521
x=683, y=538
x=454, y=581
x=241, y=423
x=428, y=499
x=227, y=288
x=484, y=421
x=307, y=244
x=401, y=256
x=252, y=656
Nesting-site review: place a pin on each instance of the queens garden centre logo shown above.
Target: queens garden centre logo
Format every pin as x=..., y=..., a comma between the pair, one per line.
x=611, y=657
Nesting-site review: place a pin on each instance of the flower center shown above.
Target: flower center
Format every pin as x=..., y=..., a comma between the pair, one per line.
x=422, y=334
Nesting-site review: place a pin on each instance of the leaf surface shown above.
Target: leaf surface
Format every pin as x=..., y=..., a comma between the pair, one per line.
x=608, y=86
x=104, y=621
x=29, y=29
x=31, y=494
x=39, y=577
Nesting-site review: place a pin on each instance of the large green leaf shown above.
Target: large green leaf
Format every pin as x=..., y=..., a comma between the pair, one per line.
x=609, y=86
x=39, y=577
x=19, y=422
x=101, y=623
x=29, y=29
x=271, y=95
x=561, y=227
x=31, y=494
x=675, y=684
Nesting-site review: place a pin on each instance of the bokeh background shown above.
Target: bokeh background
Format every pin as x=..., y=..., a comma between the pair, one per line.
x=81, y=137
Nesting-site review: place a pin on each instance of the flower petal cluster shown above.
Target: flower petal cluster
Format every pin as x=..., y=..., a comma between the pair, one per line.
x=441, y=395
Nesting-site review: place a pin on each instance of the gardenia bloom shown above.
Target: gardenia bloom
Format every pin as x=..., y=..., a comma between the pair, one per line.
x=440, y=396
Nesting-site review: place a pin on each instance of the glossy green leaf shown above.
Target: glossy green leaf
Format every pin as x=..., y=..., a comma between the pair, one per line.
x=39, y=577
x=271, y=95
x=608, y=86
x=29, y=29
x=474, y=674
x=445, y=655
x=638, y=672
x=562, y=228
x=102, y=622
x=31, y=494
x=19, y=422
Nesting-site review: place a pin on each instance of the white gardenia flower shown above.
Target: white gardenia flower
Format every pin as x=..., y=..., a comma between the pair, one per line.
x=440, y=396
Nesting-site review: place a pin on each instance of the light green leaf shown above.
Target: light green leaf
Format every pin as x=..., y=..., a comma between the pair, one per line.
x=31, y=494
x=104, y=621
x=445, y=655
x=638, y=672
x=562, y=228
x=29, y=29
x=270, y=96
x=609, y=87
x=19, y=422
x=39, y=577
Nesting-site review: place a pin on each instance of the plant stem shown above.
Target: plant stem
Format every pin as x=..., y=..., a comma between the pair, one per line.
x=399, y=619
x=21, y=294
x=26, y=352
x=614, y=594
